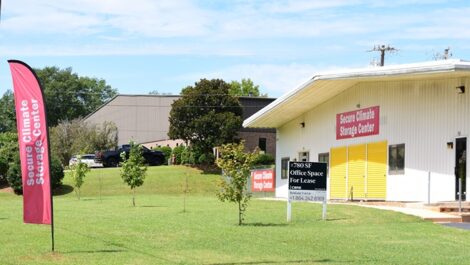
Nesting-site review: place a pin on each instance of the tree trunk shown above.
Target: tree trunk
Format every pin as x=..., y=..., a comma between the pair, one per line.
x=239, y=213
x=133, y=197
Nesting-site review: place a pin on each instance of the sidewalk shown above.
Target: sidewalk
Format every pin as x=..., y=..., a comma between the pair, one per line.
x=420, y=210
x=423, y=213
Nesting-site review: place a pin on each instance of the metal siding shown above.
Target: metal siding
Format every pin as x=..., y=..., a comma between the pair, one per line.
x=422, y=114
x=376, y=170
x=356, y=171
x=337, y=172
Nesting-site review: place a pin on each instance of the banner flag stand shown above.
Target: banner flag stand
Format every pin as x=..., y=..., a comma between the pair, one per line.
x=33, y=141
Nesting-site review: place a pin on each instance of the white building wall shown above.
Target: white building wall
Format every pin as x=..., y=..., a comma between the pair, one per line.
x=422, y=114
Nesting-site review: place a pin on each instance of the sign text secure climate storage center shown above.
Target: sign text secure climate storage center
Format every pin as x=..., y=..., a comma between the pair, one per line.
x=395, y=133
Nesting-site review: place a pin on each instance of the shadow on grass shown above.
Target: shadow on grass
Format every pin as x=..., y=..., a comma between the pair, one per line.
x=208, y=169
x=335, y=219
x=275, y=262
x=152, y=206
x=94, y=251
x=264, y=224
x=114, y=244
x=63, y=190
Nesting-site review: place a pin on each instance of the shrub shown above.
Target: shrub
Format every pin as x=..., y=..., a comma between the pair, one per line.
x=8, y=152
x=166, y=150
x=57, y=172
x=14, y=174
x=177, y=151
x=3, y=169
x=206, y=159
x=264, y=159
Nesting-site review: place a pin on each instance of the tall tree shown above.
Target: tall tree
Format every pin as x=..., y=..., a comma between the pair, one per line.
x=69, y=96
x=245, y=88
x=78, y=137
x=7, y=113
x=205, y=115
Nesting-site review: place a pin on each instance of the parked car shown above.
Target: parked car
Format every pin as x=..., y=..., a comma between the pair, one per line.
x=88, y=159
x=112, y=158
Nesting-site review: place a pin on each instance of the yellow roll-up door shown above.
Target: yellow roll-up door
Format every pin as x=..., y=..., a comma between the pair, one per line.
x=377, y=170
x=338, y=173
x=356, y=171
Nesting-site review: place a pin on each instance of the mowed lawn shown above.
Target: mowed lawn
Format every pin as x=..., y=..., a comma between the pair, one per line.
x=157, y=231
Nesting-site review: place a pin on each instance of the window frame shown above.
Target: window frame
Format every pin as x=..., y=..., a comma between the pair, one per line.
x=285, y=167
x=260, y=140
x=395, y=166
x=326, y=154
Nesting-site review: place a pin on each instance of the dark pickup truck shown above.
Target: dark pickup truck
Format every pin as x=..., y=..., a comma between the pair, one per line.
x=111, y=158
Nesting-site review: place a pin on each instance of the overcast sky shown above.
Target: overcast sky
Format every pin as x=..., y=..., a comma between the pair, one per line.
x=144, y=45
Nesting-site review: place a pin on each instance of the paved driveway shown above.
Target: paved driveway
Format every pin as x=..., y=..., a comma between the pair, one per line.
x=465, y=226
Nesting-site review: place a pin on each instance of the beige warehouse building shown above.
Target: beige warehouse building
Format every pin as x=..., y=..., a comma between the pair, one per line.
x=144, y=119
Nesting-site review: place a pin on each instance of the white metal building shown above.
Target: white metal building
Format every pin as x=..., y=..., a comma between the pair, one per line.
x=395, y=133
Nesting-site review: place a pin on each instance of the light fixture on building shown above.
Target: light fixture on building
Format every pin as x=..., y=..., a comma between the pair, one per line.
x=450, y=145
x=302, y=125
x=460, y=89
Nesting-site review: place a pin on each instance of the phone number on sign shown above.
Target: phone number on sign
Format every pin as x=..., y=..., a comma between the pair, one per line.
x=306, y=198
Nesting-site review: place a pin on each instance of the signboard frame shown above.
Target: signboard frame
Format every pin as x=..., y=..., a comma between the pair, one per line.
x=307, y=181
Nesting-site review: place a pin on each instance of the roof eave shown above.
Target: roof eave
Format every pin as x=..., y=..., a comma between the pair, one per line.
x=361, y=75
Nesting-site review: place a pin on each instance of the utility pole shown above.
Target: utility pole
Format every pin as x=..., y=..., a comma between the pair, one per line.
x=382, y=49
x=438, y=56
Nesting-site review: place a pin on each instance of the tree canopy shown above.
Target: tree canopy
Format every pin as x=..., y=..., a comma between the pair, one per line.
x=205, y=115
x=68, y=96
x=7, y=113
x=245, y=88
x=78, y=137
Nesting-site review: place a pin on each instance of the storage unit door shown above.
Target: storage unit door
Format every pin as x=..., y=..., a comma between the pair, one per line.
x=377, y=170
x=338, y=167
x=356, y=171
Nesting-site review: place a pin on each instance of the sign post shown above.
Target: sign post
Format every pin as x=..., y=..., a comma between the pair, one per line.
x=307, y=182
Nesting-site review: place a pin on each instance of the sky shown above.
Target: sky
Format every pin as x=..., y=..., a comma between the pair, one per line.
x=140, y=46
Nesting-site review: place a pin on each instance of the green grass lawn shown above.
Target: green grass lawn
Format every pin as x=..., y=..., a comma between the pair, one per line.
x=157, y=231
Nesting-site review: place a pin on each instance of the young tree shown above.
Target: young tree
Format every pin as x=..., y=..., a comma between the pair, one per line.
x=78, y=173
x=133, y=170
x=205, y=115
x=235, y=165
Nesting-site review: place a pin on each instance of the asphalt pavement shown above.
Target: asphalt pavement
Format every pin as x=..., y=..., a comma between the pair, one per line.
x=465, y=226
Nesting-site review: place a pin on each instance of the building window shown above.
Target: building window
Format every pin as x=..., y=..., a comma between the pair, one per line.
x=396, y=159
x=304, y=157
x=284, y=165
x=262, y=144
x=324, y=158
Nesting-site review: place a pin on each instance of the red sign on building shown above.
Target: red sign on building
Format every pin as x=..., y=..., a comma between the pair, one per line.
x=262, y=180
x=358, y=123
